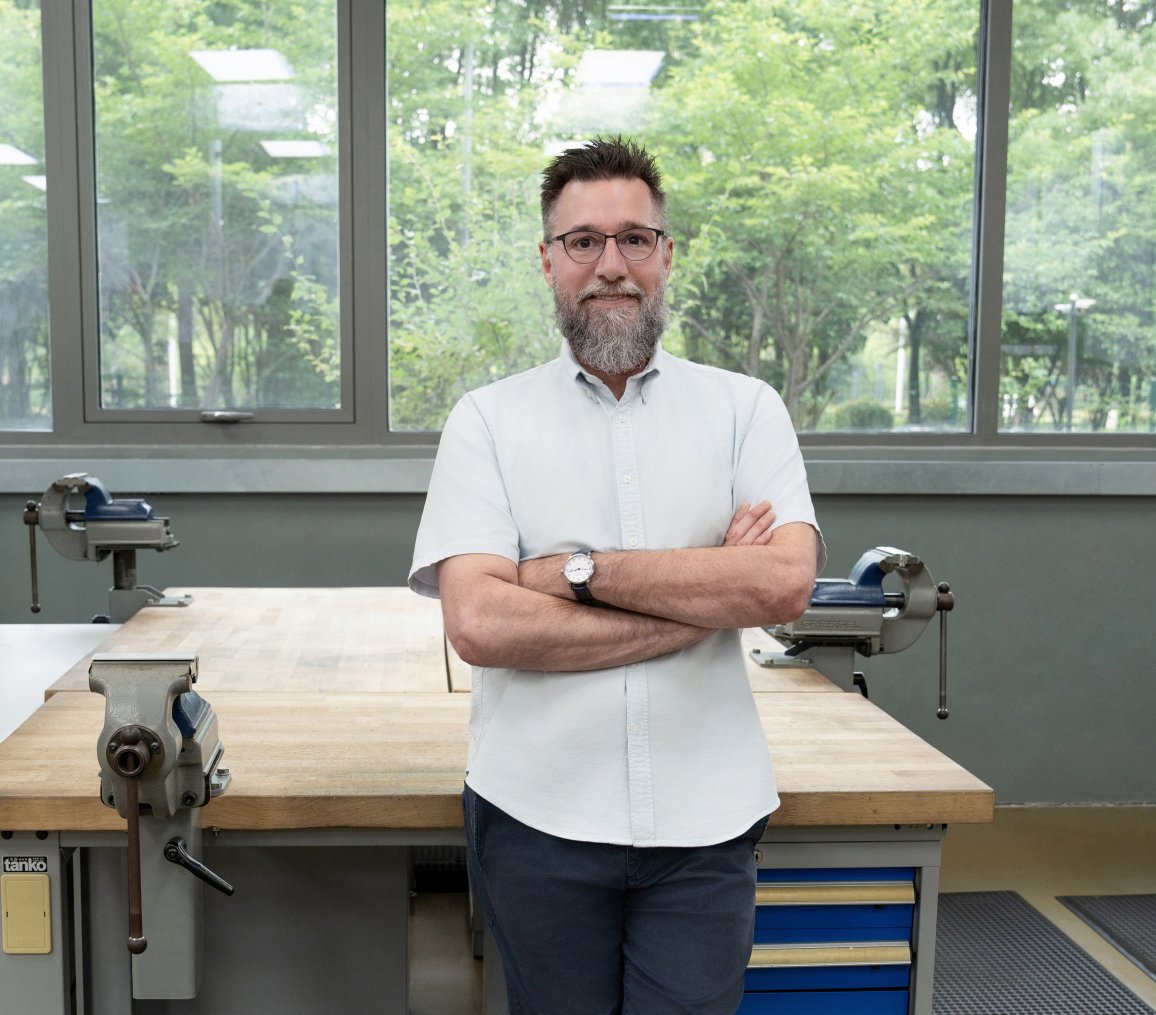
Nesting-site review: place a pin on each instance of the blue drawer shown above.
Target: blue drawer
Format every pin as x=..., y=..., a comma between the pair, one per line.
x=859, y=1002
x=777, y=924
x=834, y=904
x=811, y=978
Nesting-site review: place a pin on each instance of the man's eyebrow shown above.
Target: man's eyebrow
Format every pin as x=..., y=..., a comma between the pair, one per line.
x=587, y=228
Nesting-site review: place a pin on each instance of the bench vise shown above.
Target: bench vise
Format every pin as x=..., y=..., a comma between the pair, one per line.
x=855, y=615
x=96, y=527
x=159, y=756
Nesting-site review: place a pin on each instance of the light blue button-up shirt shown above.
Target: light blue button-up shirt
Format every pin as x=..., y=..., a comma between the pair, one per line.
x=667, y=752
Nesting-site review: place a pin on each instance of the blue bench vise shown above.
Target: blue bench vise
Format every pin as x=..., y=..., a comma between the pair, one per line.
x=94, y=527
x=855, y=615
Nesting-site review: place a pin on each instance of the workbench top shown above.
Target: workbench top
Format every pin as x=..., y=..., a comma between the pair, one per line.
x=318, y=760
x=331, y=639
x=334, y=709
x=292, y=639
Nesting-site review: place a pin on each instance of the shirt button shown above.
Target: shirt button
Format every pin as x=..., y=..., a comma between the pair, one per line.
x=626, y=478
x=636, y=730
x=633, y=541
x=621, y=419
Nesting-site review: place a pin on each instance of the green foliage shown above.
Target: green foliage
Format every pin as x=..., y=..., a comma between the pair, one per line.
x=861, y=415
x=815, y=207
x=1082, y=166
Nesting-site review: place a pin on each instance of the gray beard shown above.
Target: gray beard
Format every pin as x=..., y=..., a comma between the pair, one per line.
x=616, y=341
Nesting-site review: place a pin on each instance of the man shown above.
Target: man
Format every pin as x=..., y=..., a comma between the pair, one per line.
x=599, y=529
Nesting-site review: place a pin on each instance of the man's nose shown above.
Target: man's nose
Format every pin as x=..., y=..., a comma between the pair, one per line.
x=611, y=264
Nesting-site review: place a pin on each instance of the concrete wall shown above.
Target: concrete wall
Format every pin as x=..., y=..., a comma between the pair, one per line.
x=1050, y=666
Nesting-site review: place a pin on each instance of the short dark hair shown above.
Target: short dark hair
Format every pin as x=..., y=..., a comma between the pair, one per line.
x=602, y=158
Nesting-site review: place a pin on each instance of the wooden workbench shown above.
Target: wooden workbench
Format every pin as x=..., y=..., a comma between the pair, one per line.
x=341, y=728
x=333, y=710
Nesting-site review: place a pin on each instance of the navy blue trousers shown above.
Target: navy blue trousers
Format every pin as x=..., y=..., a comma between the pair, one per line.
x=587, y=928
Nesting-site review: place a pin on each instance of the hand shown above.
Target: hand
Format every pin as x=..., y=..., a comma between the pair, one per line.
x=751, y=526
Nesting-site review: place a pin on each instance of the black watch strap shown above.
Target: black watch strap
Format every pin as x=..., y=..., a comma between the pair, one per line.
x=582, y=593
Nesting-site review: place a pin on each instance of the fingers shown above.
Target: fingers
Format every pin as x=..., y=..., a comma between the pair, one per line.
x=750, y=526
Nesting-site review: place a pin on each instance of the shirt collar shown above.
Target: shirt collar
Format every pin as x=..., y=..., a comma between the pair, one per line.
x=635, y=383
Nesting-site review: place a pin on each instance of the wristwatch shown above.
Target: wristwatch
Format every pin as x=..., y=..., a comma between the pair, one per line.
x=578, y=570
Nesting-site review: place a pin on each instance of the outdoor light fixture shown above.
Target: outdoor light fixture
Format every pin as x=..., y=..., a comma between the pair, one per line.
x=243, y=64
x=295, y=149
x=12, y=156
x=618, y=68
x=1074, y=308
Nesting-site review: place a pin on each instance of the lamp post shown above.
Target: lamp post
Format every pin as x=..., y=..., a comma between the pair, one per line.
x=1074, y=308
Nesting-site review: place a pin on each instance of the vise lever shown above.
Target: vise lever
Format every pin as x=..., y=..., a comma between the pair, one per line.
x=159, y=758
x=93, y=528
x=855, y=615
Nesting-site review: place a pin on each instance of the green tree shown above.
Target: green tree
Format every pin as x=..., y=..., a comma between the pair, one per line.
x=202, y=234
x=1080, y=218
x=819, y=192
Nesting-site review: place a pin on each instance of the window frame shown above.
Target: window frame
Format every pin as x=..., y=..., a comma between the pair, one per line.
x=79, y=422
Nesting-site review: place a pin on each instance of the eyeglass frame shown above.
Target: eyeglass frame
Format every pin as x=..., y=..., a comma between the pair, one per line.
x=659, y=234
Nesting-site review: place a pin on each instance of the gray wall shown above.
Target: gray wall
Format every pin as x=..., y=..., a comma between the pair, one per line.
x=1050, y=665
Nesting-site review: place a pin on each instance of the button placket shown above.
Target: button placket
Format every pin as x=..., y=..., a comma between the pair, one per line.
x=640, y=787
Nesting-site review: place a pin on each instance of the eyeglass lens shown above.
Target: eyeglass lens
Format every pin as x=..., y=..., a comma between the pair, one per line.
x=633, y=244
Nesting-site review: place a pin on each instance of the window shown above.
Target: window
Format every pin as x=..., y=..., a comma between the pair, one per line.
x=321, y=219
x=820, y=163
x=1079, y=313
x=25, y=381
x=217, y=206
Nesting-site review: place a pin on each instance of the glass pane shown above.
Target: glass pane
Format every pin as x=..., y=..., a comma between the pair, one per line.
x=217, y=210
x=819, y=159
x=1079, y=317
x=25, y=388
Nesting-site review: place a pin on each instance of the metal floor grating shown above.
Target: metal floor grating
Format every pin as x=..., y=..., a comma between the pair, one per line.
x=1127, y=921
x=996, y=955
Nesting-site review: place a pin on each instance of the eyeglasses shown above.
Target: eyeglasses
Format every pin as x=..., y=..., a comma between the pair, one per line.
x=585, y=246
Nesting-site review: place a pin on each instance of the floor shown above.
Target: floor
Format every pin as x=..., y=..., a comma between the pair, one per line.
x=1039, y=852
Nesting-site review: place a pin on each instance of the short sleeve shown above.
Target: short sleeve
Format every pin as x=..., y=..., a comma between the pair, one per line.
x=769, y=466
x=467, y=509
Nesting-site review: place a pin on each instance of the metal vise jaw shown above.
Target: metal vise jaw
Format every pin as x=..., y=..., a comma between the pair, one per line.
x=855, y=610
x=158, y=732
x=159, y=760
x=855, y=615
x=101, y=526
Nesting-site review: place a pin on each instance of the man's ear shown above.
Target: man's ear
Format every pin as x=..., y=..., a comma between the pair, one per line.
x=547, y=264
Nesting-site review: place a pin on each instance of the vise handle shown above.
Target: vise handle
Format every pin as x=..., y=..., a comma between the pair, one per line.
x=176, y=852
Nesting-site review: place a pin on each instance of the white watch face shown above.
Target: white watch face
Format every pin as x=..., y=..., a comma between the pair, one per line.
x=578, y=568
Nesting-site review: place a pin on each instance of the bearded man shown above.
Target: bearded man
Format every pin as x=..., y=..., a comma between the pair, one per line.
x=599, y=530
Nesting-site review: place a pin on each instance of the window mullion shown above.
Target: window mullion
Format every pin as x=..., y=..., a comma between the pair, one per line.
x=991, y=185
x=71, y=272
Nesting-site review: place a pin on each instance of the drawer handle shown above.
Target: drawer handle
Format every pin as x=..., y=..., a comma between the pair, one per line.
x=875, y=953
x=835, y=893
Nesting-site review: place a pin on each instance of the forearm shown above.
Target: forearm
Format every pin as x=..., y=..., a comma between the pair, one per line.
x=492, y=621
x=749, y=586
x=714, y=587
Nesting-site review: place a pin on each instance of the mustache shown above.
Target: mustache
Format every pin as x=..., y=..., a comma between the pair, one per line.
x=601, y=289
